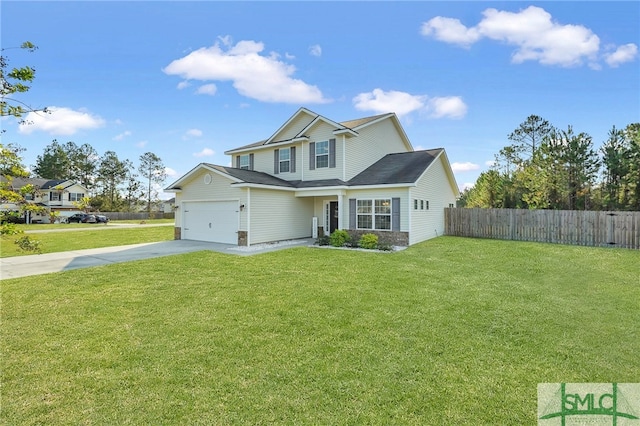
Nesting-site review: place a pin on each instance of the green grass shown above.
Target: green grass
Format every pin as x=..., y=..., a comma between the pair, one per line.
x=89, y=237
x=56, y=226
x=451, y=331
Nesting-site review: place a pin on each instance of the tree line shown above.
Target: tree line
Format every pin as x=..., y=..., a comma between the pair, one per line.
x=545, y=167
x=114, y=184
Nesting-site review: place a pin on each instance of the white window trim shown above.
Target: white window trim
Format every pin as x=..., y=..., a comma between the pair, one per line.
x=248, y=162
x=373, y=214
x=280, y=160
x=322, y=155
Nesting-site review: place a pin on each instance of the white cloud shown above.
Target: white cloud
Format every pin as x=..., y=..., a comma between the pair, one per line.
x=315, y=50
x=183, y=85
x=257, y=76
x=122, y=135
x=448, y=106
x=379, y=101
x=623, y=54
x=170, y=172
x=464, y=167
x=466, y=185
x=60, y=121
x=206, y=152
x=196, y=133
x=403, y=104
x=450, y=30
x=534, y=33
x=207, y=89
x=490, y=163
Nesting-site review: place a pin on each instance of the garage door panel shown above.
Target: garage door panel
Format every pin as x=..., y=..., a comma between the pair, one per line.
x=215, y=221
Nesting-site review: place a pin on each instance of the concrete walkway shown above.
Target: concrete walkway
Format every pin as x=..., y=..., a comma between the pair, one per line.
x=22, y=266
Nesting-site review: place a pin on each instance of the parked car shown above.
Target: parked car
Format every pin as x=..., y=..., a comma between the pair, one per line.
x=82, y=218
x=100, y=218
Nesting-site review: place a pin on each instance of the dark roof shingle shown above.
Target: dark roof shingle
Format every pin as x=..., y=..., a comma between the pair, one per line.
x=405, y=167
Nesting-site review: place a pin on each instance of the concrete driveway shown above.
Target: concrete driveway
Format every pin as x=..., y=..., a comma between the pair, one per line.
x=22, y=266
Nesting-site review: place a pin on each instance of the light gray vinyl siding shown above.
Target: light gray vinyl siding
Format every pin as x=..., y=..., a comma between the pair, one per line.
x=374, y=194
x=264, y=161
x=373, y=143
x=293, y=128
x=219, y=189
x=318, y=133
x=279, y=215
x=435, y=187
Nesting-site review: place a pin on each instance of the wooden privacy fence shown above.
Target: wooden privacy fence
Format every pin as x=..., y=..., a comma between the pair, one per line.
x=137, y=216
x=577, y=227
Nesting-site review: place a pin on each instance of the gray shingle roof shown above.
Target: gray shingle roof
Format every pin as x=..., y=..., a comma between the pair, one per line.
x=250, y=176
x=17, y=183
x=360, y=121
x=405, y=167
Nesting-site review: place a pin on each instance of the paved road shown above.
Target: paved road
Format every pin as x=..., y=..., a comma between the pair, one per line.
x=22, y=266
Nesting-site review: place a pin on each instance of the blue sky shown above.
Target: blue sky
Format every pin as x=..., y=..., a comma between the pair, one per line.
x=189, y=80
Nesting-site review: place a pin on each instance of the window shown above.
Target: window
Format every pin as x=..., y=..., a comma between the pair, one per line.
x=285, y=160
x=426, y=203
x=421, y=204
x=373, y=214
x=451, y=205
x=244, y=162
x=383, y=214
x=364, y=211
x=28, y=197
x=55, y=196
x=415, y=204
x=322, y=154
x=75, y=196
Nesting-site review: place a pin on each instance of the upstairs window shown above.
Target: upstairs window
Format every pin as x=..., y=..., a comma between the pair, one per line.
x=244, y=162
x=55, y=196
x=322, y=154
x=285, y=160
x=75, y=196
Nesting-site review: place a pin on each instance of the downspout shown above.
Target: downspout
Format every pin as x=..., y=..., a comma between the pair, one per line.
x=302, y=157
x=409, y=215
x=248, y=217
x=344, y=159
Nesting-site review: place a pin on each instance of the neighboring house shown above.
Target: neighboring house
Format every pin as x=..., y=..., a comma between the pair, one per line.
x=54, y=195
x=314, y=176
x=167, y=206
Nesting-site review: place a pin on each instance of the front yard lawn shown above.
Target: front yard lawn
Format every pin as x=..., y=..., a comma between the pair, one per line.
x=451, y=331
x=52, y=242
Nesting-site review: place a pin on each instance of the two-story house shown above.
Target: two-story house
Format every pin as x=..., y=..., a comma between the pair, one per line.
x=54, y=195
x=313, y=176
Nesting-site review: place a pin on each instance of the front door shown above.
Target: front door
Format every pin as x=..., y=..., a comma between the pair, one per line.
x=333, y=216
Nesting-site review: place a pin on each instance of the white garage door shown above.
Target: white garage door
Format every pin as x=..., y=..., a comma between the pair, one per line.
x=215, y=221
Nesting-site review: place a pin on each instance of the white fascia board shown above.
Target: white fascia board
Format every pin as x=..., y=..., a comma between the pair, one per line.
x=195, y=170
x=321, y=192
x=302, y=110
x=449, y=171
x=345, y=131
x=258, y=185
x=383, y=186
x=269, y=146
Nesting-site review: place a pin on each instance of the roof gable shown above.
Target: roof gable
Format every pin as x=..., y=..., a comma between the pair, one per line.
x=404, y=167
